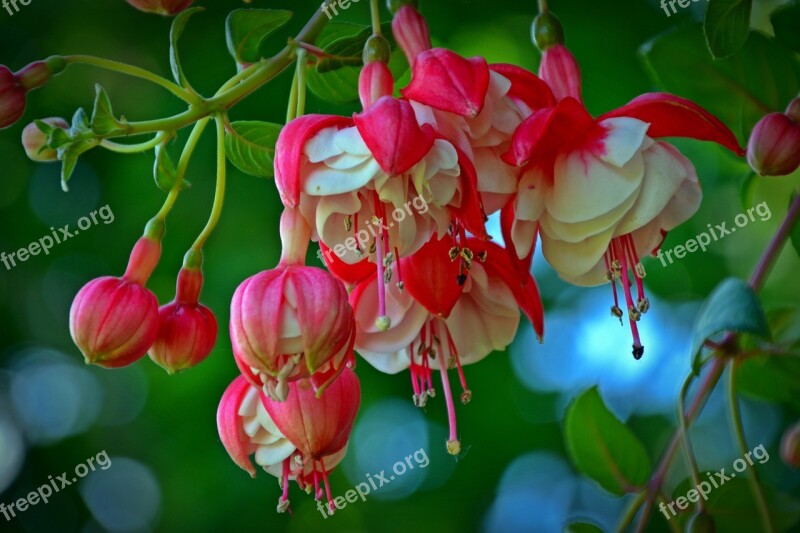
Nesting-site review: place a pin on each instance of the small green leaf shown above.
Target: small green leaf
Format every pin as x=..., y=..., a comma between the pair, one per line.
x=602, y=447
x=763, y=77
x=795, y=230
x=69, y=154
x=103, y=121
x=582, y=527
x=726, y=26
x=175, y=32
x=80, y=123
x=164, y=169
x=733, y=306
x=785, y=23
x=246, y=30
x=336, y=78
x=250, y=146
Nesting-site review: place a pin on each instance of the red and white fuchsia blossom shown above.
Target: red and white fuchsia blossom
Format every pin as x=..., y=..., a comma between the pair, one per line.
x=602, y=192
x=301, y=439
x=425, y=291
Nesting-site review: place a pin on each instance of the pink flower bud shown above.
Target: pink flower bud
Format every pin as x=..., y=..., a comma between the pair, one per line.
x=375, y=81
x=774, y=146
x=12, y=98
x=35, y=142
x=161, y=7
x=411, y=31
x=561, y=72
x=114, y=321
x=187, y=330
x=34, y=75
x=790, y=446
x=793, y=110
x=291, y=323
x=318, y=425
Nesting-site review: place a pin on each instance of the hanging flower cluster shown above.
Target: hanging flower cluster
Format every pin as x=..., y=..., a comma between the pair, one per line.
x=397, y=196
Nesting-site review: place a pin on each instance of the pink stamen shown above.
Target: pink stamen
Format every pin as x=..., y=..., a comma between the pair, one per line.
x=452, y=444
x=638, y=349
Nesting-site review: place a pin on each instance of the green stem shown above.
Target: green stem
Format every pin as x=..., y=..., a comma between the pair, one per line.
x=291, y=109
x=376, y=17
x=135, y=148
x=684, y=432
x=301, y=82
x=234, y=89
x=219, y=192
x=136, y=72
x=630, y=514
x=180, y=171
x=738, y=428
x=543, y=6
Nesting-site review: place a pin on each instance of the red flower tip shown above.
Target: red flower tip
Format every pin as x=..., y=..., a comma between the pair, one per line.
x=774, y=146
x=161, y=7
x=12, y=98
x=447, y=81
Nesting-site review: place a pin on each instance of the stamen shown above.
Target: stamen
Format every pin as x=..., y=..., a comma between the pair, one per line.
x=400, y=284
x=283, y=501
x=331, y=506
x=466, y=394
x=453, y=445
x=638, y=349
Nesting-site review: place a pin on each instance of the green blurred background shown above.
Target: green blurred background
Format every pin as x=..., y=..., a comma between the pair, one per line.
x=169, y=470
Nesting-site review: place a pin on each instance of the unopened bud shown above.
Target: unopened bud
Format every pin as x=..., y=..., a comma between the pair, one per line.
x=34, y=140
x=774, y=145
x=790, y=446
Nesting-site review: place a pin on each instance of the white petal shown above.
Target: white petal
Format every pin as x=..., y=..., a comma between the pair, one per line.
x=579, y=231
x=584, y=187
x=572, y=260
x=273, y=454
x=324, y=180
x=625, y=137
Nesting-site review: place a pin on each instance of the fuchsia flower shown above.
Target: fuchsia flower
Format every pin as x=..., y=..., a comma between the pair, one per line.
x=114, y=321
x=474, y=105
x=774, y=146
x=292, y=322
x=458, y=305
x=15, y=86
x=187, y=330
x=602, y=192
x=301, y=439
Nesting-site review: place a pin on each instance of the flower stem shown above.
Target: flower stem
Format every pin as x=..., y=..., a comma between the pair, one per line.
x=543, y=6
x=684, y=432
x=738, y=427
x=135, y=148
x=376, y=17
x=776, y=245
x=136, y=72
x=219, y=192
x=630, y=514
x=180, y=171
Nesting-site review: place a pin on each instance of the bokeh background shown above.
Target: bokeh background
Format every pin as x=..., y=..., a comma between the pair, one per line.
x=169, y=470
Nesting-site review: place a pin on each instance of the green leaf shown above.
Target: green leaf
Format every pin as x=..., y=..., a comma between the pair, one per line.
x=250, y=146
x=69, y=154
x=795, y=235
x=733, y=306
x=80, y=123
x=726, y=26
x=175, y=32
x=582, y=527
x=103, y=121
x=246, y=30
x=336, y=78
x=785, y=23
x=164, y=170
x=731, y=504
x=761, y=78
x=602, y=447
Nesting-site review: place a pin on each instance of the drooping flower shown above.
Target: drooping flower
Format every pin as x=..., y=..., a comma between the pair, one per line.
x=602, y=192
x=301, y=439
x=187, y=330
x=460, y=302
x=774, y=145
x=291, y=322
x=474, y=105
x=114, y=321
x=366, y=193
